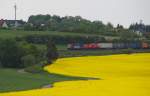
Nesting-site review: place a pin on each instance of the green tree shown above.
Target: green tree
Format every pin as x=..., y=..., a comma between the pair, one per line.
x=10, y=53
x=52, y=54
x=15, y=54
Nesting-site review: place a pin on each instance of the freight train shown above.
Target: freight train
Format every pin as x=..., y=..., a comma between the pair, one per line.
x=79, y=46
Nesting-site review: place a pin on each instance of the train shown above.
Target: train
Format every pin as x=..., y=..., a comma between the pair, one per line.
x=134, y=45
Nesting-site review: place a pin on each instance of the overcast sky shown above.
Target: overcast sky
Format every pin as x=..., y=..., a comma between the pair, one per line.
x=123, y=12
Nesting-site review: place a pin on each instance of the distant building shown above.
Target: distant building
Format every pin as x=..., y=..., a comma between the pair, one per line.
x=3, y=24
x=11, y=23
x=139, y=33
x=140, y=29
x=15, y=23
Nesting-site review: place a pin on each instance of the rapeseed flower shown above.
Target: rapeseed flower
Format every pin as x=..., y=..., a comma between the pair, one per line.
x=118, y=75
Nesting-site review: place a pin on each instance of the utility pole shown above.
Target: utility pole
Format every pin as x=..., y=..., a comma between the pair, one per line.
x=15, y=7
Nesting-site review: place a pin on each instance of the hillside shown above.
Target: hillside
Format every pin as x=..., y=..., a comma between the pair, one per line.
x=21, y=33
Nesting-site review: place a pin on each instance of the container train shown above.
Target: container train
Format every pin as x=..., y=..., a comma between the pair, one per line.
x=79, y=46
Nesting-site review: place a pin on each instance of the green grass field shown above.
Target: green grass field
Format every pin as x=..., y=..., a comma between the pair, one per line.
x=12, y=80
x=20, y=33
x=17, y=33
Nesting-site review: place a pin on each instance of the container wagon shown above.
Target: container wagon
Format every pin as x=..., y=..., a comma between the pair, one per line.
x=133, y=45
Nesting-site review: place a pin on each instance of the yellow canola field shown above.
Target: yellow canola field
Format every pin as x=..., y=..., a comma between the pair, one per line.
x=119, y=75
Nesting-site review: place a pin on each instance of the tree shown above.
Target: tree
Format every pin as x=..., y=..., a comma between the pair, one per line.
x=52, y=54
x=120, y=27
x=98, y=26
x=15, y=54
x=10, y=53
x=110, y=26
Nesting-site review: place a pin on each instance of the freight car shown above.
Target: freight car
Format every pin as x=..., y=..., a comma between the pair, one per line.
x=134, y=45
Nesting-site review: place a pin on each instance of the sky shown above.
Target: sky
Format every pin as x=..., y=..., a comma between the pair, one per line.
x=124, y=12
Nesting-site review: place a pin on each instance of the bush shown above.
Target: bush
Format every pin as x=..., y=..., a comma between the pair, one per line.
x=38, y=68
x=43, y=39
x=28, y=60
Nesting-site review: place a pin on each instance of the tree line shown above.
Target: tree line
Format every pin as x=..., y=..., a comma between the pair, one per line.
x=70, y=24
x=14, y=54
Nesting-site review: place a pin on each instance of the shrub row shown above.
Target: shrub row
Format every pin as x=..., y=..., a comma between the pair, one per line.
x=43, y=39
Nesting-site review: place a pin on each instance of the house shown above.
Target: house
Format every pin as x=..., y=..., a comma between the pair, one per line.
x=139, y=33
x=11, y=23
x=141, y=29
x=15, y=23
x=3, y=24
